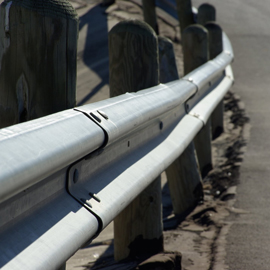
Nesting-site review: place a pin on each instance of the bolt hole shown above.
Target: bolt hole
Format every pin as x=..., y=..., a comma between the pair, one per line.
x=128, y=144
x=151, y=199
x=161, y=125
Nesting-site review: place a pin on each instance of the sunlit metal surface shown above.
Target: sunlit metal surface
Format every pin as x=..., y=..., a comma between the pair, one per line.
x=66, y=176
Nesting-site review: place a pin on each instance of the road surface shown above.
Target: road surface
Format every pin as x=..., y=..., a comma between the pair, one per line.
x=248, y=27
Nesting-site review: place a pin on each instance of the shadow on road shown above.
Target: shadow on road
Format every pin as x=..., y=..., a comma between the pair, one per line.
x=95, y=54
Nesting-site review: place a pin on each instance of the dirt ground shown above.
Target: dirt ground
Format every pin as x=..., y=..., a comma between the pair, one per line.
x=201, y=236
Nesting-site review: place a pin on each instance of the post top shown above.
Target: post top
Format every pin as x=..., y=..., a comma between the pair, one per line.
x=48, y=8
x=133, y=26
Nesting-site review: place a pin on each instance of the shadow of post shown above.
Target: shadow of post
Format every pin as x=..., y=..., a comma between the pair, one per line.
x=95, y=54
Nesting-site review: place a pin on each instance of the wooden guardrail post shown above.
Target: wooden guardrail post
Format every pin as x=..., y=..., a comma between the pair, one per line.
x=215, y=48
x=215, y=39
x=149, y=13
x=206, y=17
x=167, y=65
x=133, y=55
x=185, y=14
x=195, y=47
x=183, y=174
x=38, y=59
x=206, y=13
x=196, y=53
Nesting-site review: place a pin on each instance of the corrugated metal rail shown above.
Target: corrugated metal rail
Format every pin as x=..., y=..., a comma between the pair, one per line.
x=66, y=176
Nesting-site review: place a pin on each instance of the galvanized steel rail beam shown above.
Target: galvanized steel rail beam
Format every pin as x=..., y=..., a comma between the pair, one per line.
x=66, y=176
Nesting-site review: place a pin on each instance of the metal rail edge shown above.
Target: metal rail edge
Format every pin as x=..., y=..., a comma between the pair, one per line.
x=66, y=176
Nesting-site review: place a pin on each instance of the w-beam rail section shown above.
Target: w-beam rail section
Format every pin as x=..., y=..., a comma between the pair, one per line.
x=66, y=176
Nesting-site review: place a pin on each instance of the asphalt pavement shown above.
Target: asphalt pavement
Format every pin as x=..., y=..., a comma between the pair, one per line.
x=247, y=24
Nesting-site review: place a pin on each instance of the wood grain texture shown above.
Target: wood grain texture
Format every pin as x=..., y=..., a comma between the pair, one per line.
x=185, y=14
x=138, y=228
x=195, y=47
x=196, y=53
x=38, y=68
x=133, y=55
x=149, y=13
x=206, y=13
x=167, y=65
x=215, y=39
x=215, y=48
x=183, y=174
x=184, y=181
x=203, y=146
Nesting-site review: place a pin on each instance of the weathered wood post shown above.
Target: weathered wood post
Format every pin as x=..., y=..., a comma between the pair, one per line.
x=183, y=174
x=196, y=53
x=206, y=17
x=133, y=55
x=185, y=14
x=38, y=59
x=149, y=13
x=215, y=48
x=206, y=13
x=195, y=47
x=215, y=39
x=167, y=65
